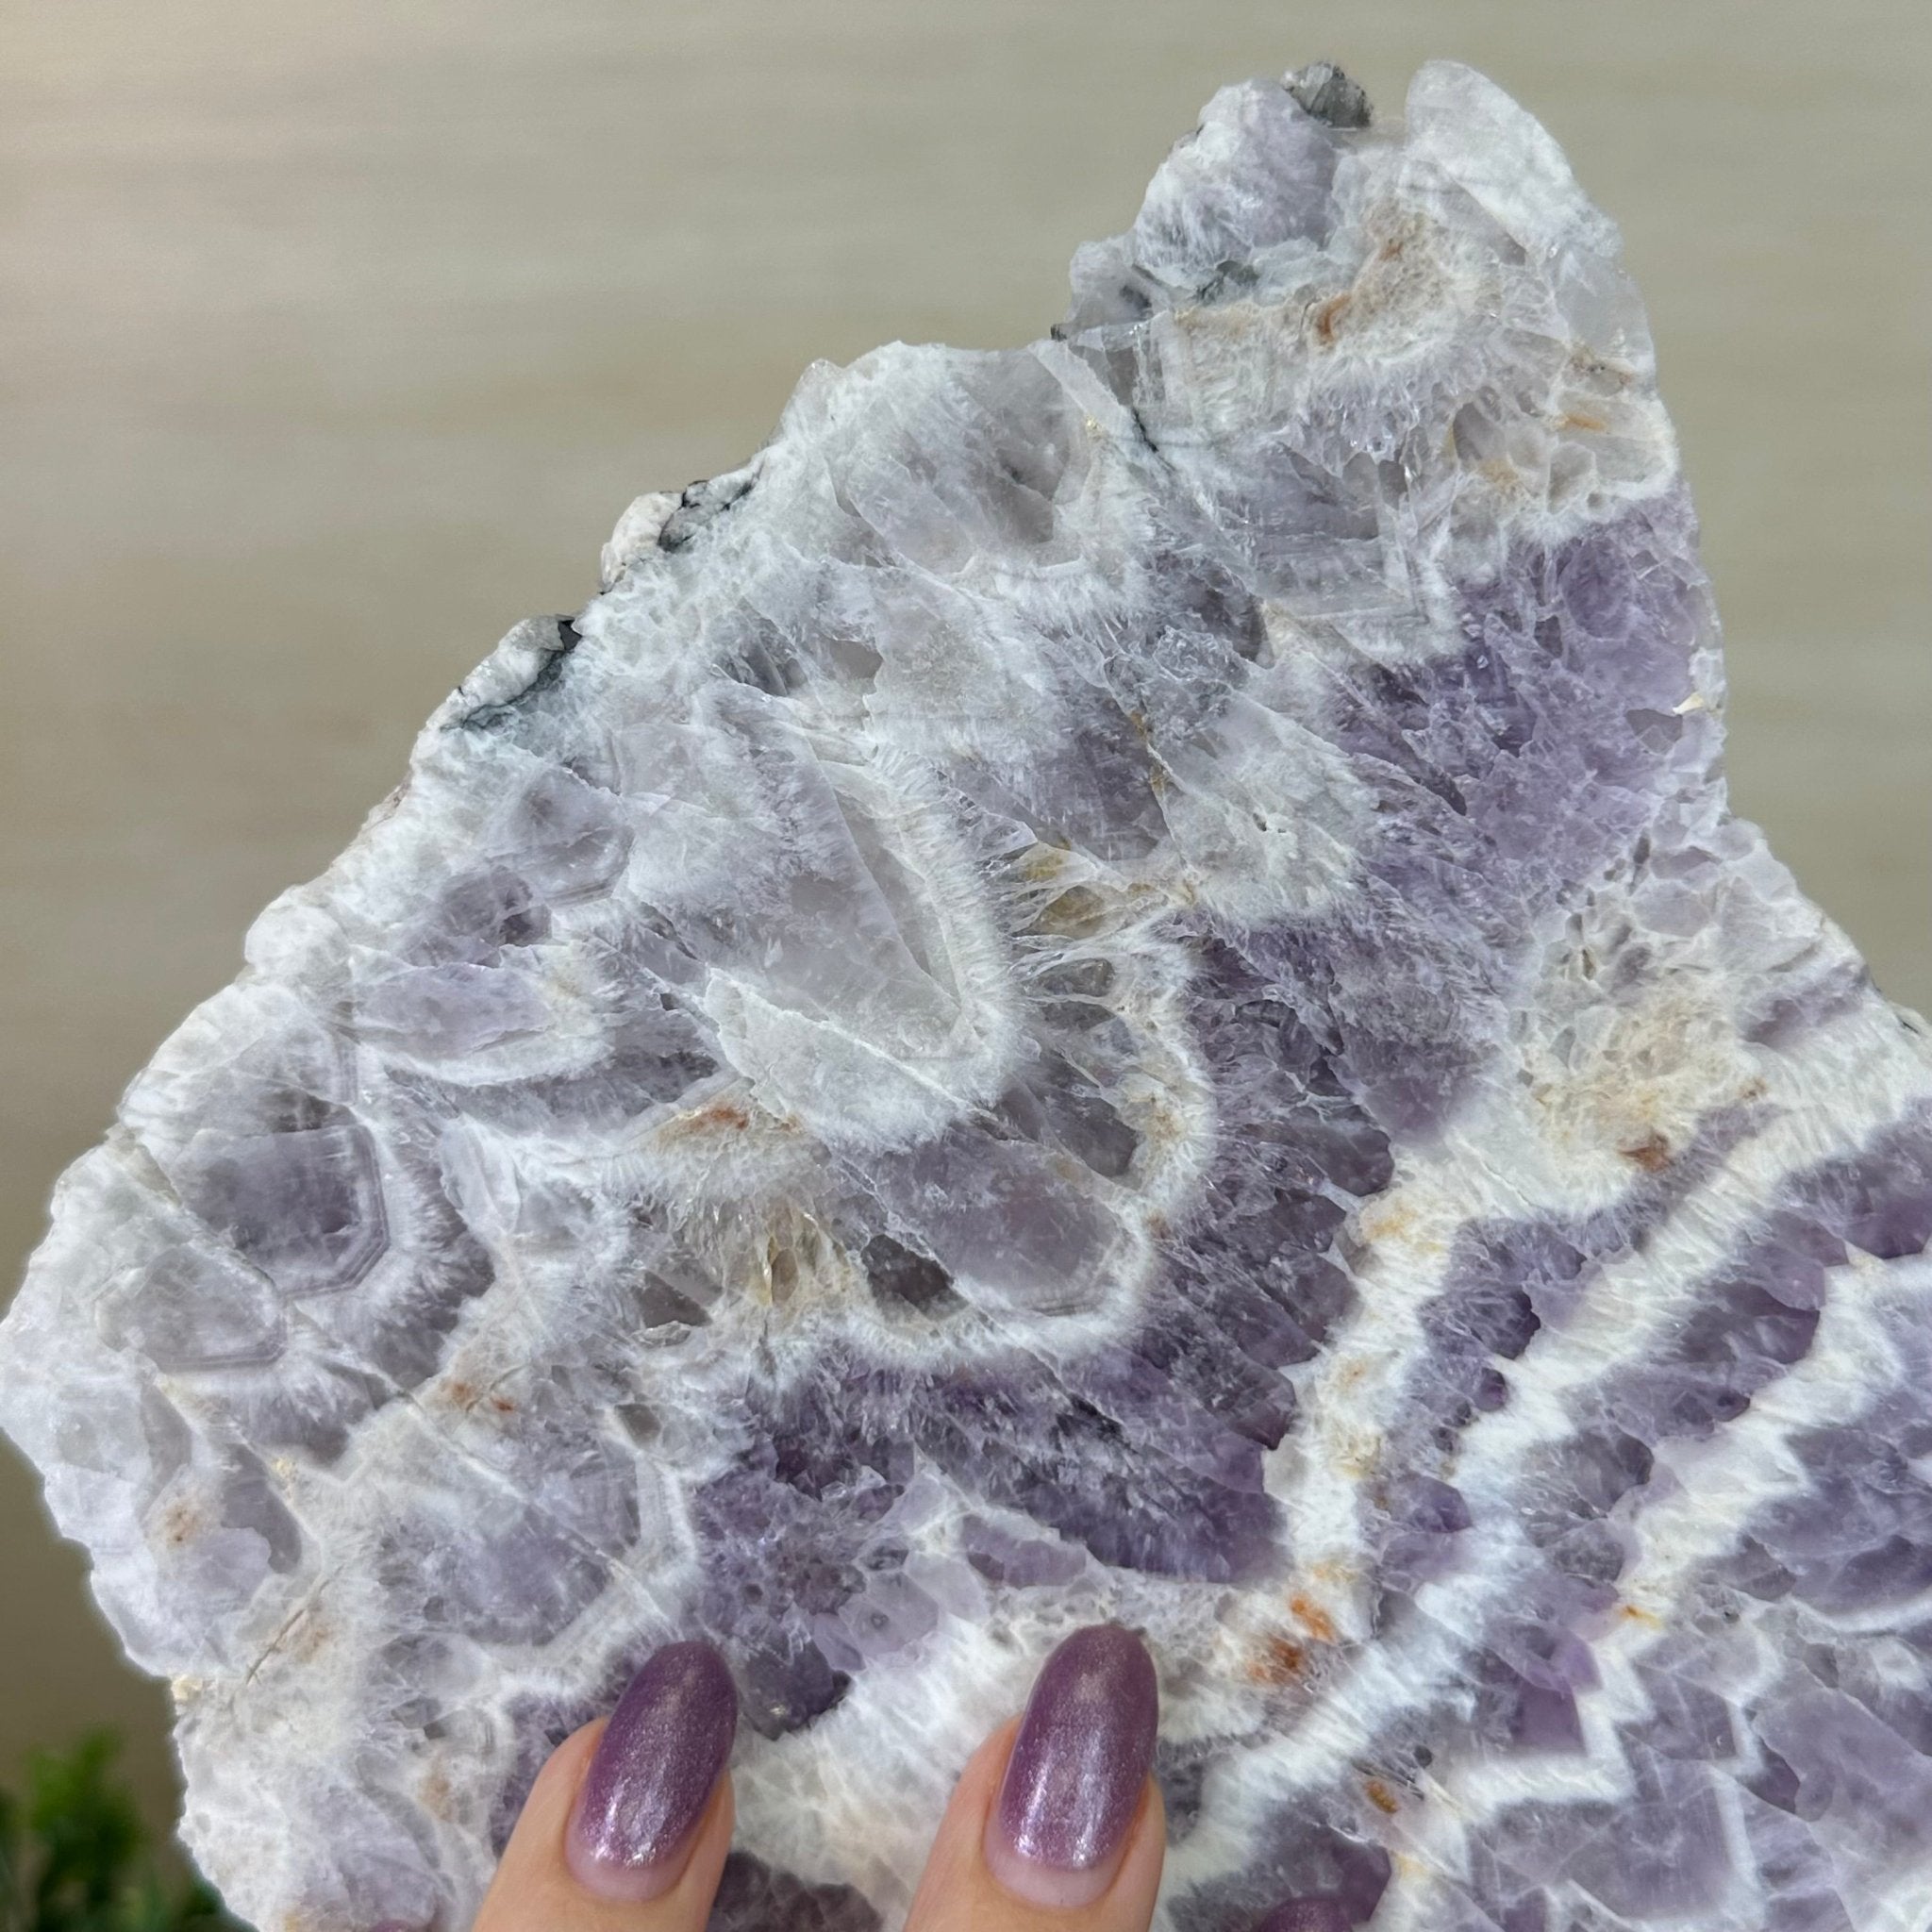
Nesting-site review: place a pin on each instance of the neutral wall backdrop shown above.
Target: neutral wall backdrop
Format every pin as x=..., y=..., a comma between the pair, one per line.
x=333, y=339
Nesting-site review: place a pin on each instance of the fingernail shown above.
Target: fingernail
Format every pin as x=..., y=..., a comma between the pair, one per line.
x=657, y=1765
x=1307, y=1915
x=1079, y=1766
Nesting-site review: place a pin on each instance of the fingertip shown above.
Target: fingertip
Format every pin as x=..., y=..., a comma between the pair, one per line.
x=688, y=1901
x=530, y=1875
x=961, y=1890
x=628, y=1824
x=655, y=1777
x=555, y=1788
x=1126, y=1904
x=681, y=1886
x=1078, y=1778
x=535, y=1840
x=1055, y=1890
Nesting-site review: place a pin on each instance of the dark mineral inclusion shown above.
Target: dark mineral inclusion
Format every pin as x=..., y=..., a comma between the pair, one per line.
x=1115, y=983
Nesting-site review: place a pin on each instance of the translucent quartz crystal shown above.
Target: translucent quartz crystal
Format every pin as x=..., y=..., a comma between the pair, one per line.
x=1114, y=983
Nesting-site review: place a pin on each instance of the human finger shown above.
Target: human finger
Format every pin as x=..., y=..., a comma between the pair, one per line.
x=627, y=1826
x=1056, y=1825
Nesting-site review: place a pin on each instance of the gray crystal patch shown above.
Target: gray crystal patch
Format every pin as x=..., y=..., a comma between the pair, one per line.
x=1115, y=982
x=304, y=1208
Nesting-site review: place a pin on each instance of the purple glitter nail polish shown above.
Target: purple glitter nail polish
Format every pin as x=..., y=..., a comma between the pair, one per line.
x=1307, y=1915
x=657, y=1765
x=1074, y=1778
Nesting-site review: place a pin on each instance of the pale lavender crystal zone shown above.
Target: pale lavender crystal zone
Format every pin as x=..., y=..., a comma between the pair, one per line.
x=1114, y=983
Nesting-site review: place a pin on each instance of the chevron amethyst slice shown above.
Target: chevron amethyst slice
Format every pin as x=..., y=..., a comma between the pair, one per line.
x=1115, y=983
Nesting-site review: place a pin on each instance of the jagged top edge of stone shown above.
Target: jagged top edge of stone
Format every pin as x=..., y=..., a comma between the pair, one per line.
x=1454, y=118
x=1457, y=122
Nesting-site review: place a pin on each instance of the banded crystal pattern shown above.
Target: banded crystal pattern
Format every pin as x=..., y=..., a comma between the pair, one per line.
x=1113, y=983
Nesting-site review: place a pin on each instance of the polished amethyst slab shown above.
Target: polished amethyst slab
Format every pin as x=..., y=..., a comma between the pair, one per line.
x=1114, y=983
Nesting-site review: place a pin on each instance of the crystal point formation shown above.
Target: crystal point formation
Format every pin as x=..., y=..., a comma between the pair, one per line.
x=1114, y=983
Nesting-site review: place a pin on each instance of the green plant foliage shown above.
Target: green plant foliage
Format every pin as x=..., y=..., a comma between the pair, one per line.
x=74, y=1857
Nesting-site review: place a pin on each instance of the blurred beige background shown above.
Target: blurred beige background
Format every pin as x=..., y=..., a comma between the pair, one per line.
x=333, y=339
